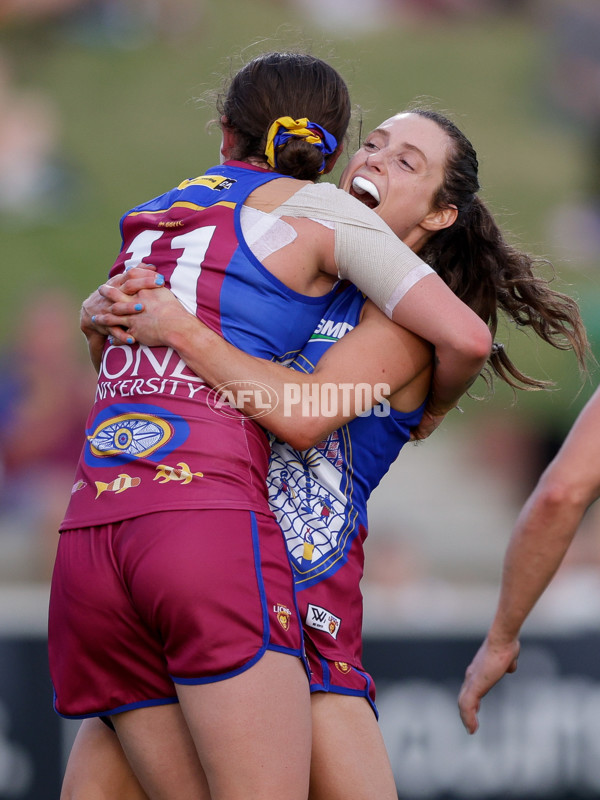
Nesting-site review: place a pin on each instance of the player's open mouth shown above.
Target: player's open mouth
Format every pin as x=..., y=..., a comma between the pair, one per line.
x=365, y=191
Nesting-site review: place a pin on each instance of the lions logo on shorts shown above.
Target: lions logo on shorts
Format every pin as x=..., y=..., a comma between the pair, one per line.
x=283, y=616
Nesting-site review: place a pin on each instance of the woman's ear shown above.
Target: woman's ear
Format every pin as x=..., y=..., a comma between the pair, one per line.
x=440, y=219
x=330, y=163
x=227, y=139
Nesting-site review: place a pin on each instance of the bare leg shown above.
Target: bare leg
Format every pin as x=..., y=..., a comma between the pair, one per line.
x=253, y=731
x=349, y=758
x=157, y=743
x=97, y=768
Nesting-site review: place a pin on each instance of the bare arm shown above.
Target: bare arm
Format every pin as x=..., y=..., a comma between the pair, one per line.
x=541, y=537
x=376, y=360
x=366, y=251
x=461, y=339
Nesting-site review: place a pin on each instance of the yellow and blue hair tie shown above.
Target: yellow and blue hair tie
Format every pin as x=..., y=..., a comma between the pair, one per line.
x=285, y=128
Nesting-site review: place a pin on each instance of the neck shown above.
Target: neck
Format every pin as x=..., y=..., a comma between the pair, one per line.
x=258, y=162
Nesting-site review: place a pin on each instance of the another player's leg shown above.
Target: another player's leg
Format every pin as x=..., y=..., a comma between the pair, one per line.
x=157, y=743
x=349, y=758
x=97, y=768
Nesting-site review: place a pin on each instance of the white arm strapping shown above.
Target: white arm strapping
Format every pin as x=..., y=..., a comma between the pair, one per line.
x=367, y=251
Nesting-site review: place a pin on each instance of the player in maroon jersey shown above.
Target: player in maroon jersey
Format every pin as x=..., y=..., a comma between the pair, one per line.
x=182, y=600
x=340, y=703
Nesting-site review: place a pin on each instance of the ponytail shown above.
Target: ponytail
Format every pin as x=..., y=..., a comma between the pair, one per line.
x=488, y=274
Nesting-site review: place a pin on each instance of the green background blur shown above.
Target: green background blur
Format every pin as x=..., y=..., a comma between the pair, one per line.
x=133, y=123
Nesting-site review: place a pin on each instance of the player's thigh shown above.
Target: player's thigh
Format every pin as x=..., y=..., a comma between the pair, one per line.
x=349, y=758
x=259, y=721
x=97, y=768
x=162, y=754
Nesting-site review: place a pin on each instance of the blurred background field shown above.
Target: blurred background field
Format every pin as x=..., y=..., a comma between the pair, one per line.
x=105, y=104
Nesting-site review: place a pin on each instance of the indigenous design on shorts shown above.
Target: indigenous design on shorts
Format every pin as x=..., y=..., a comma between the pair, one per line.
x=119, y=435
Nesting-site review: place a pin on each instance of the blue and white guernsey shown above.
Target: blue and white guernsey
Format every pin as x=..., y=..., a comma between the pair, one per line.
x=320, y=496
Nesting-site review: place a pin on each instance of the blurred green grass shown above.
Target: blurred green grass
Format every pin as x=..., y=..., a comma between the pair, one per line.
x=132, y=127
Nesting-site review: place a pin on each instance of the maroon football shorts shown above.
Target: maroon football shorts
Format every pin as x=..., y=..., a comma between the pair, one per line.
x=186, y=596
x=337, y=677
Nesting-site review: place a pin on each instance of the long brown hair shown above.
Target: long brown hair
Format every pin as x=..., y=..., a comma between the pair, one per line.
x=489, y=274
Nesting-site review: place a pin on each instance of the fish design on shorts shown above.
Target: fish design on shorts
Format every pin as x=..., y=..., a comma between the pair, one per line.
x=78, y=486
x=119, y=484
x=181, y=472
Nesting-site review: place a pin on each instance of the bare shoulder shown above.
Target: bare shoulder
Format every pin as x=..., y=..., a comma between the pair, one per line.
x=275, y=193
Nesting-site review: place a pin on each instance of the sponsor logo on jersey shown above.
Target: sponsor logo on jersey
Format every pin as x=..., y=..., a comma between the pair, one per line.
x=217, y=182
x=330, y=330
x=322, y=620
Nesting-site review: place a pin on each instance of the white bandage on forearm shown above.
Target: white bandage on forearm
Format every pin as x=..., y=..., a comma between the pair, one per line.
x=367, y=251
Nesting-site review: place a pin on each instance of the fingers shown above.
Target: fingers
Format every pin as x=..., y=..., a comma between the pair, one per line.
x=468, y=707
x=148, y=281
x=491, y=663
x=426, y=427
x=143, y=265
x=118, y=336
x=469, y=719
x=140, y=270
x=134, y=280
x=113, y=325
x=128, y=308
x=120, y=304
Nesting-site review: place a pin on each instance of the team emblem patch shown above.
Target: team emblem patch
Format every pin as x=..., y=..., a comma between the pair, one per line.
x=322, y=620
x=342, y=667
x=284, y=616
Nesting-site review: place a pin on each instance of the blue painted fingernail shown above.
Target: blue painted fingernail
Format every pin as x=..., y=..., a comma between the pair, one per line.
x=94, y=318
x=159, y=280
x=111, y=340
x=129, y=340
x=138, y=306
